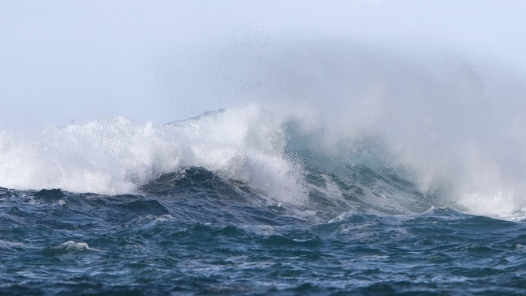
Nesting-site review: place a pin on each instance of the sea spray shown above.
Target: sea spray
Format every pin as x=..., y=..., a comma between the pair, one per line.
x=115, y=156
x=449, y=126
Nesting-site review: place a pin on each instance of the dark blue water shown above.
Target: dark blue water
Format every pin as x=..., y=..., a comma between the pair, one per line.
x=194, y=232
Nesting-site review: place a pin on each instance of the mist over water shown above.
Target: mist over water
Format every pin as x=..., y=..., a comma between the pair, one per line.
x=448, y=123
x=451, y=126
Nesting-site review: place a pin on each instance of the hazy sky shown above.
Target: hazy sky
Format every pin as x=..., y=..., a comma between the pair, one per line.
x=64, y=61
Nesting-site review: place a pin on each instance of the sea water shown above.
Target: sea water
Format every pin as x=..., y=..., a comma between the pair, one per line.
x=385, y=183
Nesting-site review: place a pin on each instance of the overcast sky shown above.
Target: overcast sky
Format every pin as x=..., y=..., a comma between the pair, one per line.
x=73, y=61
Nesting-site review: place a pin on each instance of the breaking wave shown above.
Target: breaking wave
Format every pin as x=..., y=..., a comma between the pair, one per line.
x=340, y=129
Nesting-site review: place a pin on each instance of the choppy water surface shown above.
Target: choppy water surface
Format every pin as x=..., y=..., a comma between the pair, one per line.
x=197, y=233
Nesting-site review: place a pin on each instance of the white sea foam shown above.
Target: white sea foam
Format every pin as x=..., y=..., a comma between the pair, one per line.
x=12, y=245
x=71, y=245
x=116, y=155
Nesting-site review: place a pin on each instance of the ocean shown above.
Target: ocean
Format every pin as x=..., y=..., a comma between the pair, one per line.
x=268, y=199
